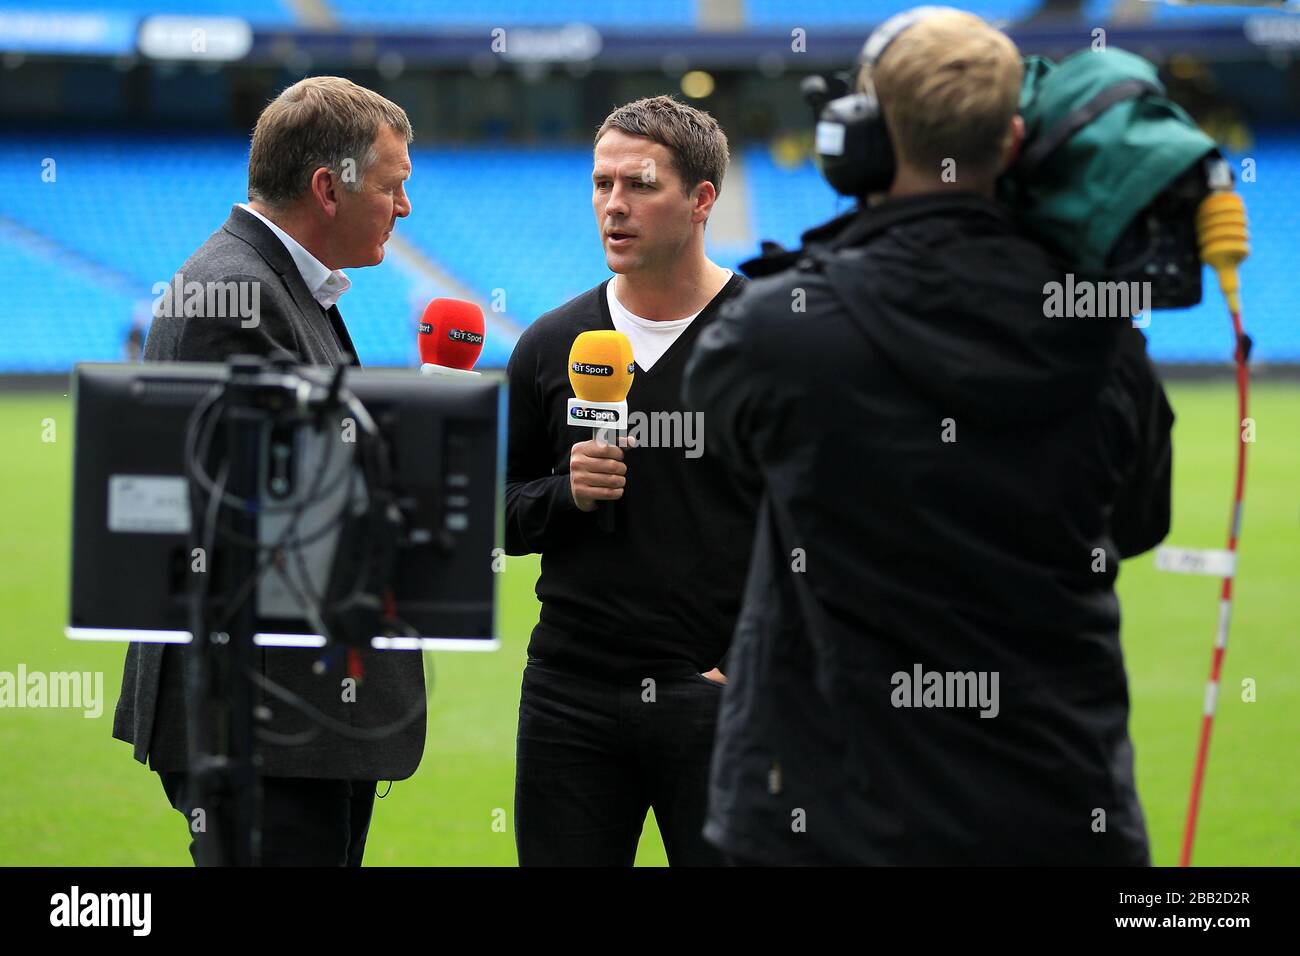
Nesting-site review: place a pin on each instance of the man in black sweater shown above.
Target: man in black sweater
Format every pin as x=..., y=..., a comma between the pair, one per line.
x=621, y=689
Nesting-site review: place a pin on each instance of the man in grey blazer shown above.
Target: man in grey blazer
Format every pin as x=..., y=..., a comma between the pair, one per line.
x=325, y=184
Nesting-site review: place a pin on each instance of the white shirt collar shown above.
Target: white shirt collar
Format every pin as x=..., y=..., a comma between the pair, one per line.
x=326, y=286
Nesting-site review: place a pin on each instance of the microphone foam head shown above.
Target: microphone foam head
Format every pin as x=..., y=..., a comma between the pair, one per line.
x=601, y=366
x=451, y=333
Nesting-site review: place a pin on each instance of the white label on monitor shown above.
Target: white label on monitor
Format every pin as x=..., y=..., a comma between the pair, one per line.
x=830, y=139
x=148, y=504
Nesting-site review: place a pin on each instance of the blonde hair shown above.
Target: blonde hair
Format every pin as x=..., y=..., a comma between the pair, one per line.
x=319, y=121
x=949, y=86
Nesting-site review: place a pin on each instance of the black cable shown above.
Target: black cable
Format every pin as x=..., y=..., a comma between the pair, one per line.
x=347, y=472
x=300, y=704
x=288, y=740
x=285, y=545
x=203, y=423
x=288, y=539
x=198, y=630
x=324, y=720
x=198, y=463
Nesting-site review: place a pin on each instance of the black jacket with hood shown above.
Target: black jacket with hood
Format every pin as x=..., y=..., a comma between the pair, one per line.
x=950, y=479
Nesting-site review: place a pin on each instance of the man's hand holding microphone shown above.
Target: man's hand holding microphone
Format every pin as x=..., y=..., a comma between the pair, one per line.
x=600, y=370
x=597, y=471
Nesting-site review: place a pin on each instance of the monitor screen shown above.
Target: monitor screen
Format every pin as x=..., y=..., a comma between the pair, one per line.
x=133, y=559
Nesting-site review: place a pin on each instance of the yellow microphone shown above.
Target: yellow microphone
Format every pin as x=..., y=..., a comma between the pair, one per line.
x=600, y=370
x=1221, y=230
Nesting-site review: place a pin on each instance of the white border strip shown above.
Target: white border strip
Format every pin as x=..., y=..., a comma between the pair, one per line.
x=435, y=643
x=126, y=634
x=288, y=640
x=121, y=634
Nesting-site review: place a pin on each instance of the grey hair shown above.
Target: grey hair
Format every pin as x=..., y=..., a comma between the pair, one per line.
x=320, y=121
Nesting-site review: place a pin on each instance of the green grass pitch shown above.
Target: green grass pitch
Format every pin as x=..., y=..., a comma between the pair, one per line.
x=70, y=795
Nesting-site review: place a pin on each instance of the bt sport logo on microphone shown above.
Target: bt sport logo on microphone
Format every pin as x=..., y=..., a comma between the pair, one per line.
x=597, y=416
x=604, y=371
x=455, y=335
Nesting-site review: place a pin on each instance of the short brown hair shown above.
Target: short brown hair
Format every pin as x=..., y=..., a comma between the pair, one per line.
x=694, y=139
x=319, y=121
x=949, y=85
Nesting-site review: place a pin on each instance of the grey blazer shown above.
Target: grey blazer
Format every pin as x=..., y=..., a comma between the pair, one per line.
x=151, y=709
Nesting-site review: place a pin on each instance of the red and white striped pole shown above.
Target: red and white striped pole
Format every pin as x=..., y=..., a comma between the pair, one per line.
x=1225, y=603
x=1221, y=228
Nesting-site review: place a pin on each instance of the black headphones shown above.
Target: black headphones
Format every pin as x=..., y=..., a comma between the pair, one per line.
x=853, y=145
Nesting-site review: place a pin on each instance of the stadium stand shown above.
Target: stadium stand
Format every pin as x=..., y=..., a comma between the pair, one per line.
x=268, y=12
x=1170, y=14
x=54, y=315
x=661, y=13
x=831, y=12
x=513, y=225
x=791, y=199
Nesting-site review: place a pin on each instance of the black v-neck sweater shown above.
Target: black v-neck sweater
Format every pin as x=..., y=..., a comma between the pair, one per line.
x=659, y=595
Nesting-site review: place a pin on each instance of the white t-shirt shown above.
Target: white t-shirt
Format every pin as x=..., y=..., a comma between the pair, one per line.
x=650, y=339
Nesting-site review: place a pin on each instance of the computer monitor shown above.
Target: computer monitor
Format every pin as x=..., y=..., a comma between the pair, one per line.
x=132, y=560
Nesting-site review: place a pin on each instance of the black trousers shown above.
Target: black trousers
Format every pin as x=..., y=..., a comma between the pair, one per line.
x=305, y=822
x=592, y=756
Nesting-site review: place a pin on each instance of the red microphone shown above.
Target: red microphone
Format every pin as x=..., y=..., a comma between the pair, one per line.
x=451, y=337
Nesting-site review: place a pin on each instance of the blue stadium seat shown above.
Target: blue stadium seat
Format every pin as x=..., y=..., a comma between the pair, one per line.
x=270, y=12
x=820, y=13
x=1171, y=13
x=512, y=224
x=508, y=13
x=54, y=316
x=786, y=202
x=529, y=237
x=1203, y=332
x=135, y=207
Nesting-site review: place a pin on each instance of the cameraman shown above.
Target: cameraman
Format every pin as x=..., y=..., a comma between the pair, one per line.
x=927, y=665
